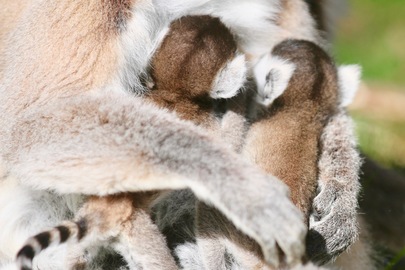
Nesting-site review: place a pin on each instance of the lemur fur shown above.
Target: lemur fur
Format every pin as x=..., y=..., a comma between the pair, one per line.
x=285, y=141
x=196, y=62
x=71, y=125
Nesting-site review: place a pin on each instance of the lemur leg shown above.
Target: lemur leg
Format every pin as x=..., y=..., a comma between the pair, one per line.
x=209, y=238
x=216, y=234
x=109, y=142
x=143, y=239
x=212, y=253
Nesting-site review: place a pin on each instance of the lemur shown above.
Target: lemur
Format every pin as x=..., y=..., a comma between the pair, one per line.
x=284, y=141
x=74, y=122
x=300, y=94
x=197, y=62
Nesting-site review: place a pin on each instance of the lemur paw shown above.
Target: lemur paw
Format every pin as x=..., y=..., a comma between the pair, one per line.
x=230, y=79
x=272, y=76
x=333, y=225
x=279, y=226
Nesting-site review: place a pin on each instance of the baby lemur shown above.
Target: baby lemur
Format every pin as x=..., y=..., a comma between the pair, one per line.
x=197, y=62
x=284, y=141
x=300, y=93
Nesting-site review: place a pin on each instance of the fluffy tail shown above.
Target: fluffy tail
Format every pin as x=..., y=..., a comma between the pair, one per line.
x=58, y=235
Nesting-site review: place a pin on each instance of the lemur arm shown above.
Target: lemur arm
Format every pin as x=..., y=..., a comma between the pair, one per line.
x=333, y=225
x=110, y=142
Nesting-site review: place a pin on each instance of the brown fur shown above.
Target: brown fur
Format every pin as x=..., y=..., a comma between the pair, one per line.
x=185, y=65
x=284, y=142
x=117, y=209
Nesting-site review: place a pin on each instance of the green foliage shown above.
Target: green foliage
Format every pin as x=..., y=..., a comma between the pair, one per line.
x=373, y=35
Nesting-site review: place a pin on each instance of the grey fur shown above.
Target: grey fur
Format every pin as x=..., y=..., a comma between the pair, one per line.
x=341, y=206
x=333, y=225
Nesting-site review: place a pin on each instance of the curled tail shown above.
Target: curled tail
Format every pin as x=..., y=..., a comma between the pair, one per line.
x=68, y=231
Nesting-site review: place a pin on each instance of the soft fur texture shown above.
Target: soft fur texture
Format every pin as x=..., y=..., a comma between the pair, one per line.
x=70, y=125
x=338, y=169
x=180, y=85
x=284, y=141
x=341, y=164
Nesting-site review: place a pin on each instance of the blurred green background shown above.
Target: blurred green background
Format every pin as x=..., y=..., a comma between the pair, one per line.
x=372, y=34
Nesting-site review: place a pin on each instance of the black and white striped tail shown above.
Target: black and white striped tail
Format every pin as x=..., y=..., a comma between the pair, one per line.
x=58, y=235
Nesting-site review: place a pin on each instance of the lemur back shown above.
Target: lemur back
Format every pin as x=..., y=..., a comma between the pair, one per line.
x=299, y=95
x=196, y=63
x=284, y=141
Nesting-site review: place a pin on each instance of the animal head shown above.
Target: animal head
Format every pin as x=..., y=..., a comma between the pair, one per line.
x=199, y=55
x=274, y=72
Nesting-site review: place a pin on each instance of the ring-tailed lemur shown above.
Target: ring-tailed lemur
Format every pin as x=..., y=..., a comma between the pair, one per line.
x=196, y=63
x=305, y=92
x=71, y=125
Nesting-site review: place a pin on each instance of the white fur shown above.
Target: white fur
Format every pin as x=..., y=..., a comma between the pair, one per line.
x=349, y=81
x=138, y=42
x=271, y=87
x=230, y=79
x=24, y=213
x=189, y=256
x=213, y=252
x=27, y=215
x=252, y=21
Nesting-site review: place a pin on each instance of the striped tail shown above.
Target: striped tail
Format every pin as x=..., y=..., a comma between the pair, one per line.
x=69, y=230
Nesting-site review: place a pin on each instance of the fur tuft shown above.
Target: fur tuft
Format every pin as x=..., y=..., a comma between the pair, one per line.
x=272, y=76
x=230, y=79
x=349, y=81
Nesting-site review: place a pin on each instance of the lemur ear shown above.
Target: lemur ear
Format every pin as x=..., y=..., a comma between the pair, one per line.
x=273, y=75
x=349, y=80
x=230, y=79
